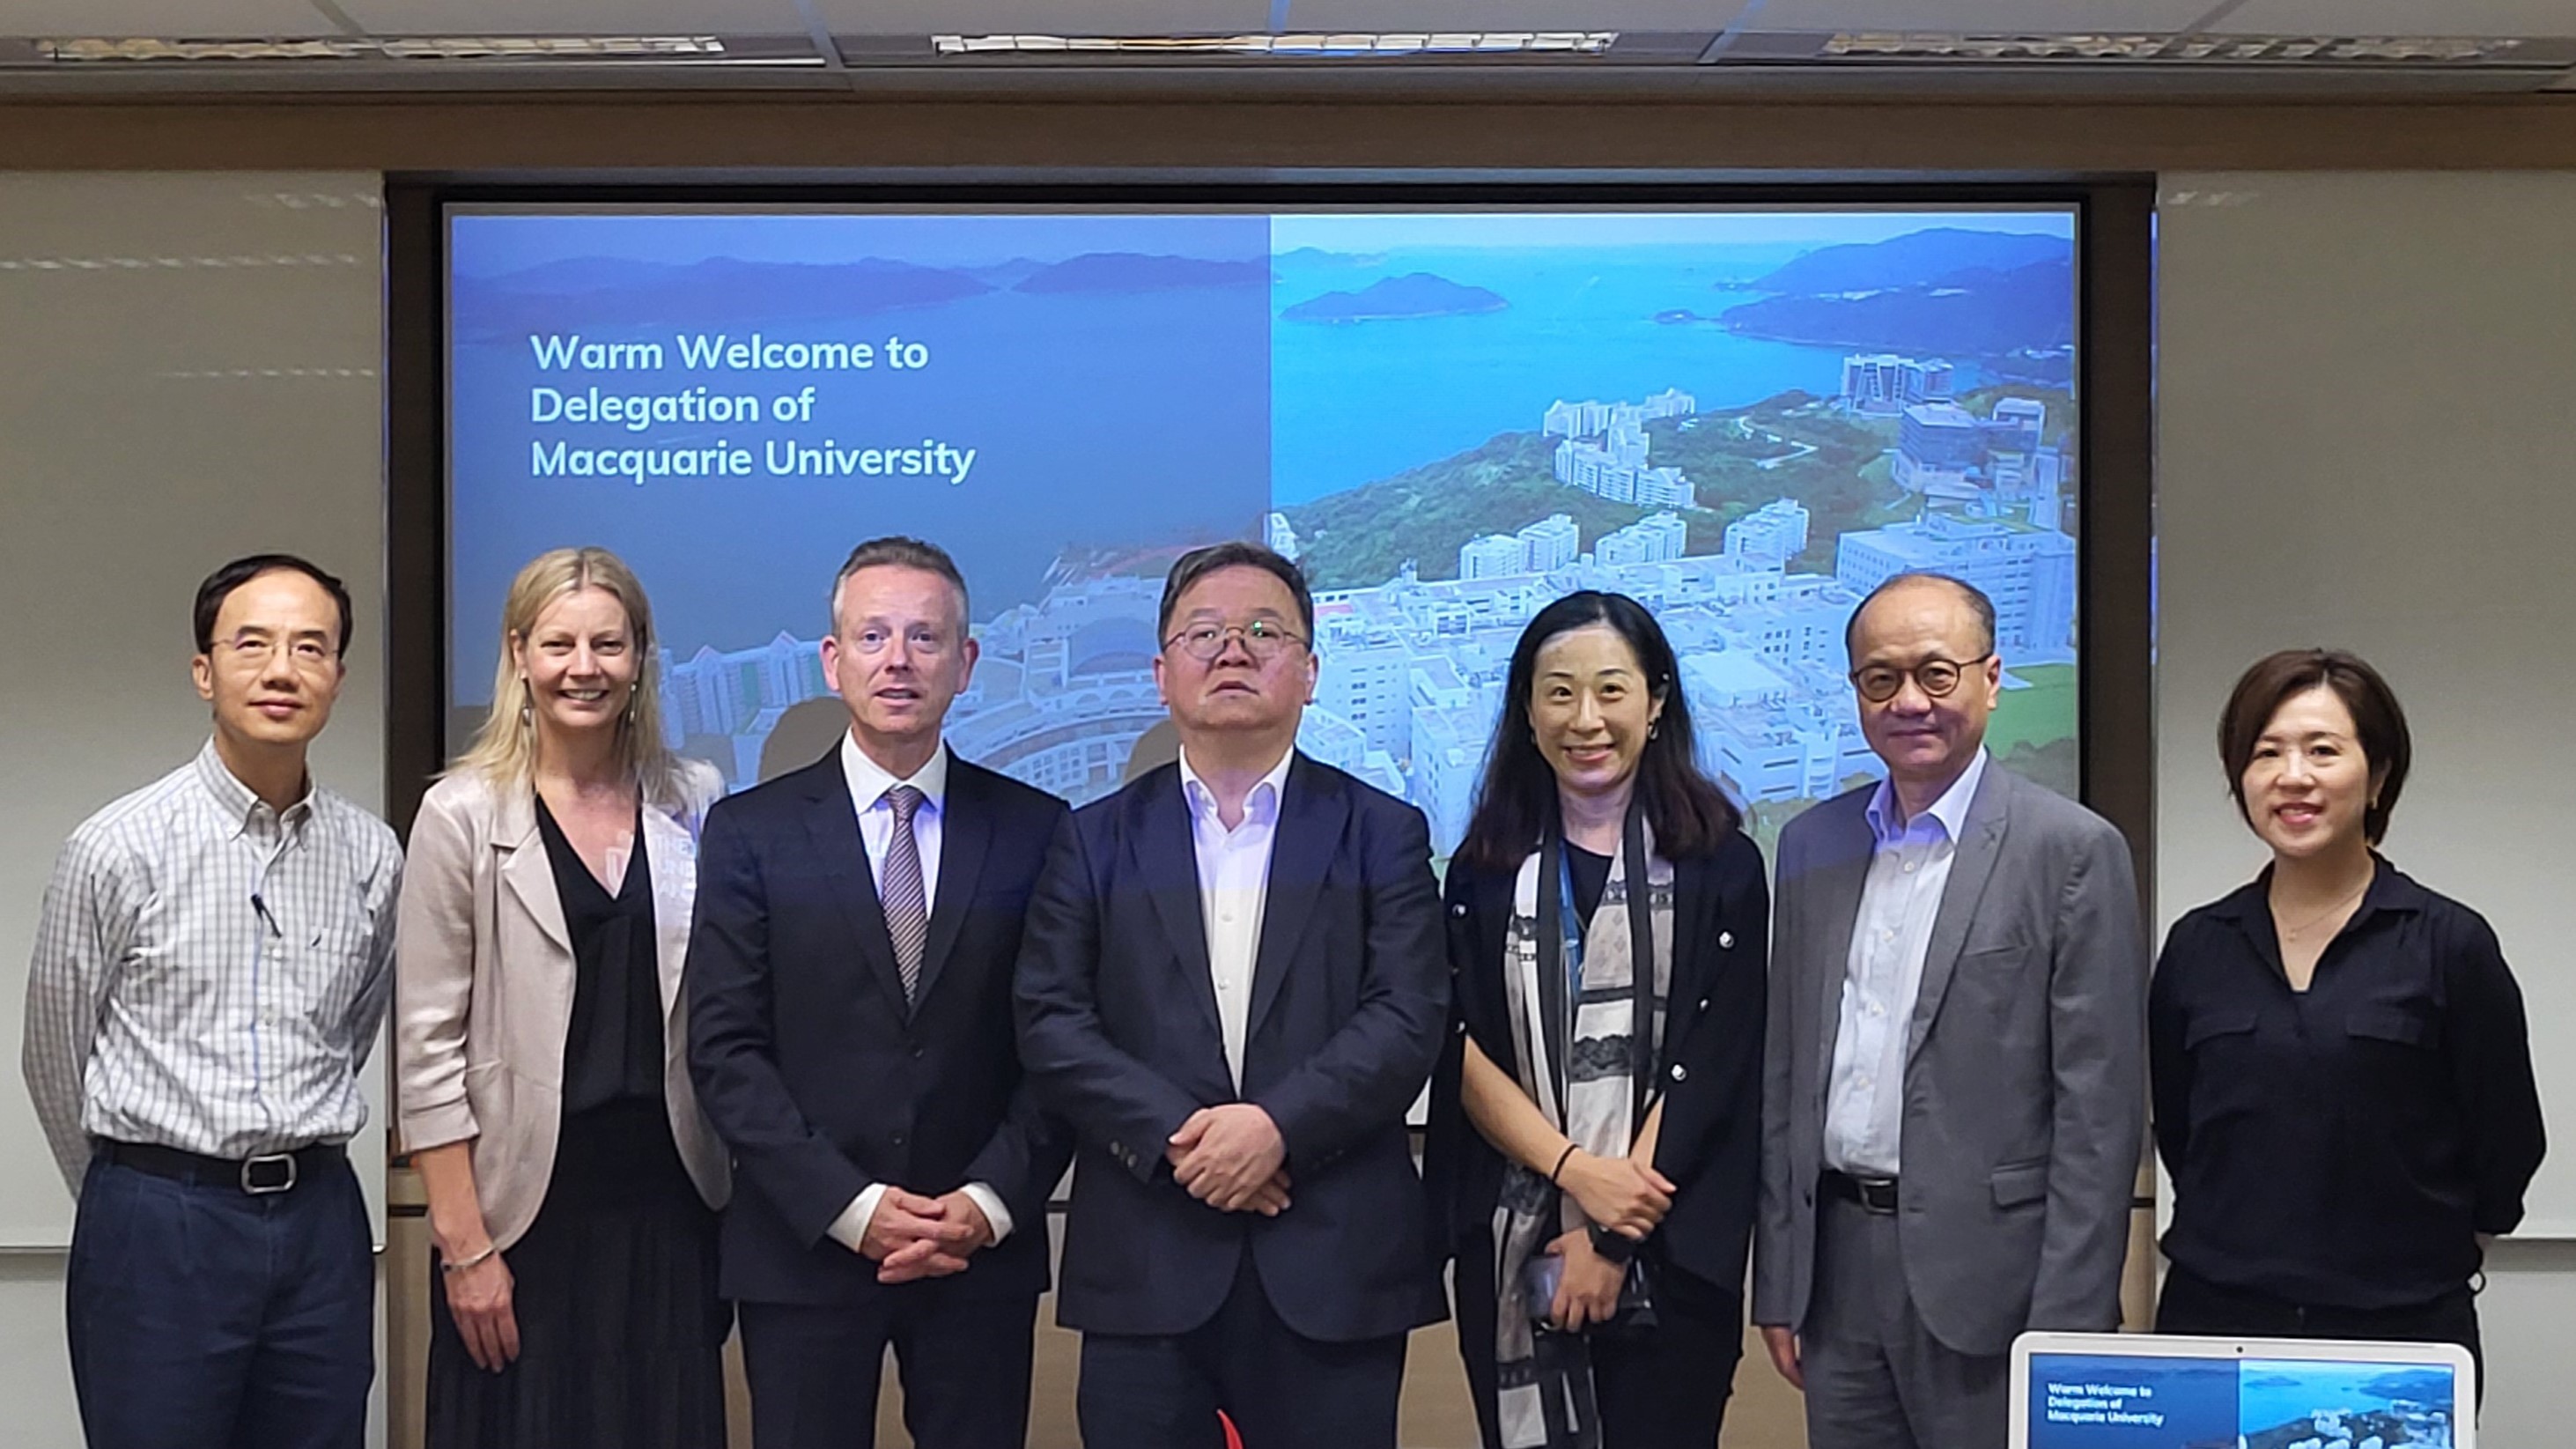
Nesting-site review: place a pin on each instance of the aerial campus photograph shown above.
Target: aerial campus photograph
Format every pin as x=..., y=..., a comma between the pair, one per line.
x=1744, y=419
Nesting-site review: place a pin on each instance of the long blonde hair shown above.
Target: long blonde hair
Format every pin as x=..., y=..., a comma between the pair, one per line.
x=505, y=746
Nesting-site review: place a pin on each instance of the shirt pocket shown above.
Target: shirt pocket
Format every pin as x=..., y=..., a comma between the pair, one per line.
x=2213, y=1029
x=2394, y=1022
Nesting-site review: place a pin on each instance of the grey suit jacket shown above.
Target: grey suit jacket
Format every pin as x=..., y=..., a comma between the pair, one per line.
x=2025, y=1075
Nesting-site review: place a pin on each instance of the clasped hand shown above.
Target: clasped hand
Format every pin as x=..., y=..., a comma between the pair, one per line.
x=1232, y=1158
x=911, y=1236
x=1620, y=1193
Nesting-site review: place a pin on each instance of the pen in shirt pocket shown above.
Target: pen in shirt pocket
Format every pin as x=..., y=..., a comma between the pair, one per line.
x=261, y=906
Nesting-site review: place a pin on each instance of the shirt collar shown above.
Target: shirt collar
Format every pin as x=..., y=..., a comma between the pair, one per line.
x=1261, y=805
x=1951, y=810
x=869, y=780
x=2390, y=889
x=239, y=803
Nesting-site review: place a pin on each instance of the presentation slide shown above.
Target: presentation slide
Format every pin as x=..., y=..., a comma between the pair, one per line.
x=2138, y=1402
x=1744, y=418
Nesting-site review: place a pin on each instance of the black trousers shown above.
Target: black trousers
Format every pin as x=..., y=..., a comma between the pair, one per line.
x=205, y=1316
x=2194, y=1305
x=1282, y=1390
x=963, y=1359
x=1661, y=1388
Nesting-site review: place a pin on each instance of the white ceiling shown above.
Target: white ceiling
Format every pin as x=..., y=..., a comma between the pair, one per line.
x=1672, y=46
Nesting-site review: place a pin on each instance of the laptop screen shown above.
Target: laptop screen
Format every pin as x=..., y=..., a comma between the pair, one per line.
x=2129, y=1401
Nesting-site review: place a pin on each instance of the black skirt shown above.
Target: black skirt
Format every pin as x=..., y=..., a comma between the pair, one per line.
x=621, y=1331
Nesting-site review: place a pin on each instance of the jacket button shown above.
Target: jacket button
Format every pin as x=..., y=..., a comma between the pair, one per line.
x=1703, y=1003
x=1680, y=1072
x=898, y=1137
x=1726, y=940
x=1458, y=910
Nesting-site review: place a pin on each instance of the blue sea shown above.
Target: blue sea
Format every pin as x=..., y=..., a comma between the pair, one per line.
x=1355, y=402
x=2272, y=1393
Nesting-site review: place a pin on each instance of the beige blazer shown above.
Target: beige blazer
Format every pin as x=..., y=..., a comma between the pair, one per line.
x=483, y=976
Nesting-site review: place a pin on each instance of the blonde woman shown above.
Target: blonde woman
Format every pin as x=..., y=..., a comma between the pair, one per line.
x=544, y=1086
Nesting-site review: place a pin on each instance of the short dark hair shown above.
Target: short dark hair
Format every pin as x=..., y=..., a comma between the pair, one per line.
x=900, y=551
x=2378, y=721
x=1198, y=563
x=220, y=584
x=1517, y=799
x=1978, y=604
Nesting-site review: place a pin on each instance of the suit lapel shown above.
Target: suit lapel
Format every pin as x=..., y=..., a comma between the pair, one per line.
x=1972, y=865
x=832, y=824
x=671, y=856
x=1841, y=874
x=1301, y=853
x=1167, y=862
x=965, y=835
x=525, y=869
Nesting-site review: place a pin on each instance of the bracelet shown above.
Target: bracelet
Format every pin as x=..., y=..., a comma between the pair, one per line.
x=459, y=1265
x=1560, y=1164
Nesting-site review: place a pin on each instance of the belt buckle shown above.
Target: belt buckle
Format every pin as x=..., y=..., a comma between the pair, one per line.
x=257, y=1185
x=1877, y=1194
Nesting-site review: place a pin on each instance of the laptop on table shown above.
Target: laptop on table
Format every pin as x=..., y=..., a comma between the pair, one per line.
x=2141, y=1391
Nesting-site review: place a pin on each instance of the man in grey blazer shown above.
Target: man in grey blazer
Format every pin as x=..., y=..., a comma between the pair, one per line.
x=1956, y=1078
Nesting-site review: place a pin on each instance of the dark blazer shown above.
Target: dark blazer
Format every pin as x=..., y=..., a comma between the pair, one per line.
x=806, y=1059
x=1711, y=1142
x=1118, y=1028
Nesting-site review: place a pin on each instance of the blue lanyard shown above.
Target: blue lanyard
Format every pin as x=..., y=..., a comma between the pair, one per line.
x=1570, y=921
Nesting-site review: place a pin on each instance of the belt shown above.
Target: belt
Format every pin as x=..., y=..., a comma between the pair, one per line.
x=270, y=1172
x=1874, y=1194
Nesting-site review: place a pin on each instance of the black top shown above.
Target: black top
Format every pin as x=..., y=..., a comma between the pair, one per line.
x=1712, y=1082
x=613, y=1049
x=1591, y=879
x=2341, y=1146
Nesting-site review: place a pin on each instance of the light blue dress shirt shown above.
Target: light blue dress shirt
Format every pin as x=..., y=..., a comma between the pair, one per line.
x=1908, y=866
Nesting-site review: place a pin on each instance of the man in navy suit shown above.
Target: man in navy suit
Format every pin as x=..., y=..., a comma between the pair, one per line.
x=1232, y=987
x=850, y=1034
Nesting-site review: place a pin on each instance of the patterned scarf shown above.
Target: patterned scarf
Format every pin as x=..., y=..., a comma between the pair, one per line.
x=1546, y=1397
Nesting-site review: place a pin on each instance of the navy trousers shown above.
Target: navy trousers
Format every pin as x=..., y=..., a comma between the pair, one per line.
x=201, y=1315
x=1283, y=1390
x=963, y=1358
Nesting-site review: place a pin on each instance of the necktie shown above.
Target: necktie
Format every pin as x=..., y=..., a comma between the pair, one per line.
x=907, y=903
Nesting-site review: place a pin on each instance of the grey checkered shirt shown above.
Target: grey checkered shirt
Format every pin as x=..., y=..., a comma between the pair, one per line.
x=210, y=974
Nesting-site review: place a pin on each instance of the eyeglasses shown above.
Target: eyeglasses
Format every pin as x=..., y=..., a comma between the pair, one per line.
x=1262, y=639
x=1878, y=683
x=312, y=656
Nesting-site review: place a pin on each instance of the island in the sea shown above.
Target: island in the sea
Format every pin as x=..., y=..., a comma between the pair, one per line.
x=1415, y=294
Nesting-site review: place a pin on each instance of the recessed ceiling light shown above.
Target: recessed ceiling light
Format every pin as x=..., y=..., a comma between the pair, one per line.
x=2175, y=49
x=89, y=49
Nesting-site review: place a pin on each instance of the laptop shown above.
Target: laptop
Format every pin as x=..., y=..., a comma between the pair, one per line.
x=2143, y=1391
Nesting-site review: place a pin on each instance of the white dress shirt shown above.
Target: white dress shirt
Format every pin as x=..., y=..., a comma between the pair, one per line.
x=869, y=782
x=1909, y=865
x=1234, y=890
x=210, y=974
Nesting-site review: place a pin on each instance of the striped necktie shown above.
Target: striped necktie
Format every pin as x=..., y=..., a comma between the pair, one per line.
x=907, y=902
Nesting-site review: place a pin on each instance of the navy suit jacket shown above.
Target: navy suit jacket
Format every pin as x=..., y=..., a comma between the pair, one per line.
x=809, y=1064
x=1350, y=999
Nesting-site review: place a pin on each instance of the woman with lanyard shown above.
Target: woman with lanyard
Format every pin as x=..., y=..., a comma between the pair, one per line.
x=1595, y=1134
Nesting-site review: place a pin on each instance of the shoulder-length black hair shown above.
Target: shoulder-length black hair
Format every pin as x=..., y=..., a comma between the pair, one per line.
x=1688, y=813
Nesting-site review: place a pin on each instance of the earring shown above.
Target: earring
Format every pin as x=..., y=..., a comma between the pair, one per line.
x=1653, y=727
x=527, y=704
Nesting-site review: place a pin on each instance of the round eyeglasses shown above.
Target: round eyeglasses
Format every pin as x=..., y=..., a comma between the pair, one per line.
x=1878, y=683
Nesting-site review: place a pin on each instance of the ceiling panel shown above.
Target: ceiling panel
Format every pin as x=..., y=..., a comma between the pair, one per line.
x=1030, y=17
x=2018, y=17
x=2404, y=17
x=164, y=19
x=575, y=17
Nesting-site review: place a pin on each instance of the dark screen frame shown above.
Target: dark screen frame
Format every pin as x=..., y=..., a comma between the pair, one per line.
x=2114, y=395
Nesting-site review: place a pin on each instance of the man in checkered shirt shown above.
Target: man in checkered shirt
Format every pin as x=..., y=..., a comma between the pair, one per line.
x=210, y=972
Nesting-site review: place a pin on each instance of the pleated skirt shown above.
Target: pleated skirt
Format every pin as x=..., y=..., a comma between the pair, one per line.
x=621, y=1331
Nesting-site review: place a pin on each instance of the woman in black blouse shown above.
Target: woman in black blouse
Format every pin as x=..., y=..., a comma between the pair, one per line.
x=572, y=1181
x=1606, y=910
x=2343, y=1085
